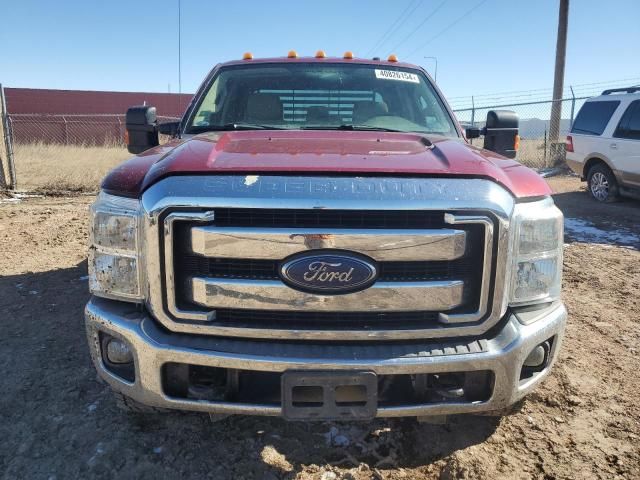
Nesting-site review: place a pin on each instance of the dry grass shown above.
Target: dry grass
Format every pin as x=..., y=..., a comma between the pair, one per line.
x=71, y=168
x=532, y=153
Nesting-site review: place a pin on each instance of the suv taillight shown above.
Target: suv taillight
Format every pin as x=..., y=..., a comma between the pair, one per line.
x=569, y=143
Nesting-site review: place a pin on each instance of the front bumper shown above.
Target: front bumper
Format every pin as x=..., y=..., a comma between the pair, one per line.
x=503, y=353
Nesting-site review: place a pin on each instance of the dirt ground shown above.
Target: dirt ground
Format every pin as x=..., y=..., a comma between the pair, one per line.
x=58, y=421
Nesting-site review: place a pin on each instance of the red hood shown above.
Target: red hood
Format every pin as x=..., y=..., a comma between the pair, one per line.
x=328, y=152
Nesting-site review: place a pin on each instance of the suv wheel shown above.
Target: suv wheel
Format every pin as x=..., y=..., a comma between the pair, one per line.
x=602, y=184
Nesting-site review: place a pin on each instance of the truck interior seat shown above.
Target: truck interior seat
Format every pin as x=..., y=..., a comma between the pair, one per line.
x=318, y=115
x=363, y=111
x=262, y=107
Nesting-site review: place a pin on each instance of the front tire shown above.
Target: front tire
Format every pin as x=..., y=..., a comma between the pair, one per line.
x=602, y=183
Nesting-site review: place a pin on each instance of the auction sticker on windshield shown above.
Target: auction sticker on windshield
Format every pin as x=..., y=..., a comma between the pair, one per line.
x=396, y=75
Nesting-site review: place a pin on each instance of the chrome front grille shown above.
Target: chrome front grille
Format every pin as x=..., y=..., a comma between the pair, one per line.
x=219, y=263
x=234, y=266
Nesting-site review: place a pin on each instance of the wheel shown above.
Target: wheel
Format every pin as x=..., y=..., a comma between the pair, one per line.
x=602, y=183
x=129, y=405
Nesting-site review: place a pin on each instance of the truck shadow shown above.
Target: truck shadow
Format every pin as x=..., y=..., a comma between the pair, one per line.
x=382, y=444
x=589, y=221
x=69, y=417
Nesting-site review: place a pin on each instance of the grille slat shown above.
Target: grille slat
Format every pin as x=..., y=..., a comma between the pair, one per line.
x=333, y=320
x=248, y=217
x=268, y=269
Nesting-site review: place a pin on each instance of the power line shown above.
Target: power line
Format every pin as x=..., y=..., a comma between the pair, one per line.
x=541, y=91
x=538, y=98
x=391, y=30
x=451, y=25
x=419, y=25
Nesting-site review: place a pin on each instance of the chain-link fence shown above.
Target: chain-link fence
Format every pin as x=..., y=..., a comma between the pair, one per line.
x=66, y=152
x=536, y=150
x=82, y=130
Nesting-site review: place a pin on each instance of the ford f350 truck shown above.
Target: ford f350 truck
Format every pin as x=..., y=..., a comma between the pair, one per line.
x=320, y=241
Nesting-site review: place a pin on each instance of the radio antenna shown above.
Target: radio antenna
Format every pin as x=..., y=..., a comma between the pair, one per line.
x=179, y=53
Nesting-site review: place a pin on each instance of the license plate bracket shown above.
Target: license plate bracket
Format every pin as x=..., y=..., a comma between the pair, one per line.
x=322, y=395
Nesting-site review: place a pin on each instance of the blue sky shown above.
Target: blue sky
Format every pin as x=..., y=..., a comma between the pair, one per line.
x=499, y=46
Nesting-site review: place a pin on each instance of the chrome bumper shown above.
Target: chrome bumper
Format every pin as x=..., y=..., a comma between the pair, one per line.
x=503, y=353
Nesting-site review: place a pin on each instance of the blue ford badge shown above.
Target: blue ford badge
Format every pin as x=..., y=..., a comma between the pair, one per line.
x=329, y=273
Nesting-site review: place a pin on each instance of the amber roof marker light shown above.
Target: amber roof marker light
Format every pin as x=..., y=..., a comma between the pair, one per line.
x=247, y=56
x=321, y=54
x=292, y=54
x=392, y=58
x=348, y=55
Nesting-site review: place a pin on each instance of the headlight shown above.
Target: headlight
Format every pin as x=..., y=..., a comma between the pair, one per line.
x=114, y=259
x=537, y=253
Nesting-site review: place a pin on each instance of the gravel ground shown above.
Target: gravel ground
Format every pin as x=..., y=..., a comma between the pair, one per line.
x=58, y=421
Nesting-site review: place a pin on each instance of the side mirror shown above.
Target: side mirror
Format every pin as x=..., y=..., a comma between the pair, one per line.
x=501, y=132
x=142, y=128
x=169, y=128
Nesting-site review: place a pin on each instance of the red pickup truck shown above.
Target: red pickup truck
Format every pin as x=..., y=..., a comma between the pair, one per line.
x=319, y=241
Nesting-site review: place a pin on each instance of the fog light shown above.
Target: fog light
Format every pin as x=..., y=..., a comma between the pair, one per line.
x=537, y=356
x=119, y=352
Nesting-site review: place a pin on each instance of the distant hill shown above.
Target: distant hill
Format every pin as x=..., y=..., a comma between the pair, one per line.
x=535, y=127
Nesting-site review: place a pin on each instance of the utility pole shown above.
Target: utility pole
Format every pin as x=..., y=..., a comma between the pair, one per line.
x=558, y=78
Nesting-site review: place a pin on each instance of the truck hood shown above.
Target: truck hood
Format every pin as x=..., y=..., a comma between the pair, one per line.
x=309, y=152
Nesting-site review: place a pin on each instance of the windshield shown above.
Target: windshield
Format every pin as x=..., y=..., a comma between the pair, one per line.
x=321, y=96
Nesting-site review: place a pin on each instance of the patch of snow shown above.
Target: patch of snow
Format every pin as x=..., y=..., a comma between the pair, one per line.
x=334, y=438
x=550, y=172
x=84, y=277
x=93, y=406
x=584, y=231
x=26, y=195
x=328, y=476
x=99, y=451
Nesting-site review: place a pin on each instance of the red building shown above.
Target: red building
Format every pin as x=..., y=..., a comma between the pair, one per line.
x=80, y=117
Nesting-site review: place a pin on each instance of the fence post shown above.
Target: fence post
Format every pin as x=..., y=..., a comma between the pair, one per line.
x=473, y=112
x=65, y=130
x=120, y=135
x=7, y=167
x=573, y=106
x=545, y=147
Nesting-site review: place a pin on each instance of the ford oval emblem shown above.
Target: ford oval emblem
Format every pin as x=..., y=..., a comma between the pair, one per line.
x=329, y=273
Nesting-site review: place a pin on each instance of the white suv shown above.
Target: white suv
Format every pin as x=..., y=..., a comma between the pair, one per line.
x=604, y=144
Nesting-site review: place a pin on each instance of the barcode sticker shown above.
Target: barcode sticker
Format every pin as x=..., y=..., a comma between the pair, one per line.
x=396, y=75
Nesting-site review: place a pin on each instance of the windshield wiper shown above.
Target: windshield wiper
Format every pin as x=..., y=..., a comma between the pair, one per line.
x=365, y=128
x=233, y=126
